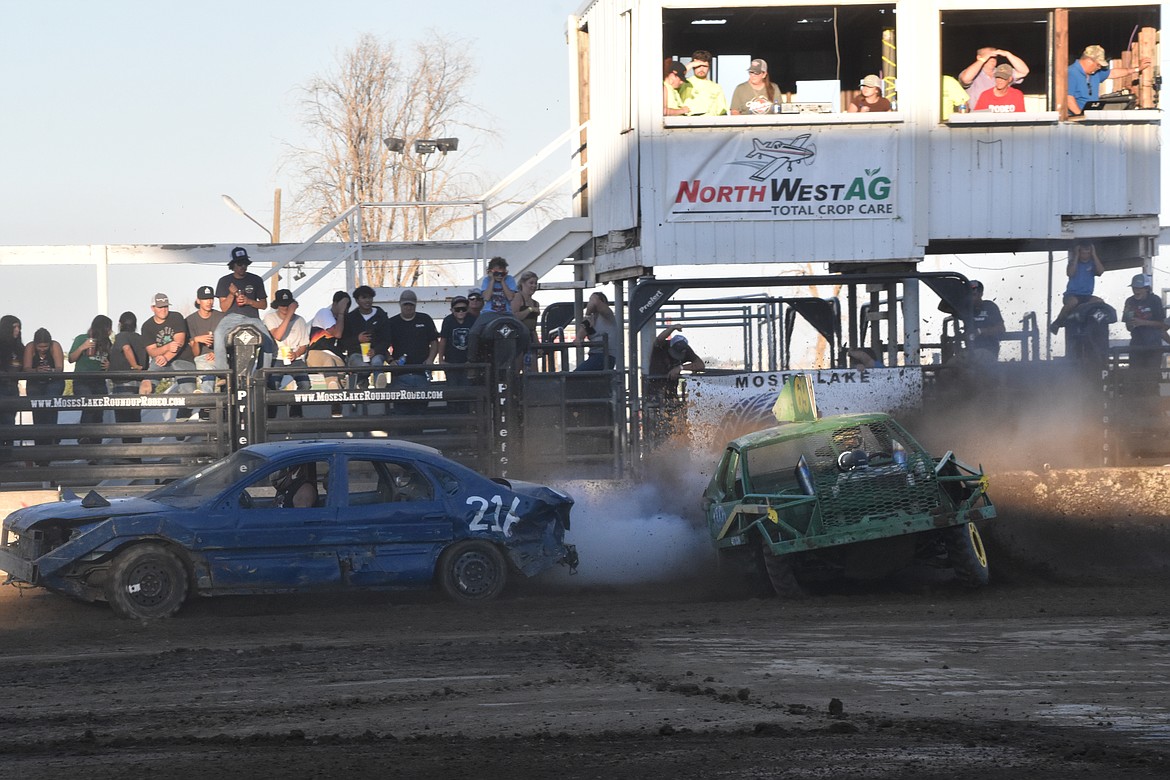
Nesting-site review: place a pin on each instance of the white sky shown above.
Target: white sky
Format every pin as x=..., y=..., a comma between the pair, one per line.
x=125, y=120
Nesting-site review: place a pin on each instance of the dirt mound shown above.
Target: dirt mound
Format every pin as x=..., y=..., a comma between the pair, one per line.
x=1092, y=525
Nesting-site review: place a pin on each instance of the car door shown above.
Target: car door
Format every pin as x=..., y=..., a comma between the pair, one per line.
x=274, y=547
x=396, y=521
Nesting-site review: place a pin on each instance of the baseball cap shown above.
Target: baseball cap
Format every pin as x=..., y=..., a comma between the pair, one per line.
x=408, y=296
x=283, y=298
x=1140, y=280
x=1097, y=54
x=473, y=293
x=1004, y=71
x=758, y=66
x=160, y=299
x=458, y=299
x=871, y=81
x=204, y=293
x=678, y=346
x=678, y=69
x=239, y=255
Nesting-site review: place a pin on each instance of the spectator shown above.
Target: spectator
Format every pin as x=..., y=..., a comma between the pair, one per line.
x=598, y=327
x=241, y=292
x=415, y=341
x=757, y=95
x=1145, y=319
x=326, y=332
x=954, y=98
x=11, y=360
x=453, y=334
x=700, y=94
x=128, y=354
x=669, y=355
x=979, y=76
x=166, y=342
x=90, y=354
x=474, y=305
x=987, y=321
x=291, y=334
x=498, y=287
x=527, y=310
x=1002, y=98
x=1086, y=74
x=44, y=356
x=364, y=339
x=870, y=98
x=672, y=100
x=201, y=327
x=1083, y=269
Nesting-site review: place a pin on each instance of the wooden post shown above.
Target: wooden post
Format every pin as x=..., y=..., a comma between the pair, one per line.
x=1060, y=62
x=1147, y=46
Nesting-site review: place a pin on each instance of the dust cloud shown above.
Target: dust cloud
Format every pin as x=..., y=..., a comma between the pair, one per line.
x=647, y=531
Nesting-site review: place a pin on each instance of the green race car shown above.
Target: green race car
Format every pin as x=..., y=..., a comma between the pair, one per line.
x=851, y=496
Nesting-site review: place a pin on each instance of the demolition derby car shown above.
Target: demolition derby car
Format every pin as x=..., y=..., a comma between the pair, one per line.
x=847, y=496
x=294, y=516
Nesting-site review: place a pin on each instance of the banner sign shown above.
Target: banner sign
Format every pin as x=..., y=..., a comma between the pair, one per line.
x=795, y=175
x=726, y=406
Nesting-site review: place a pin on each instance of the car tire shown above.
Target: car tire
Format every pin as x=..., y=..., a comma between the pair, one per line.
x=472, y=571
x=145, y=582
x=742, y=574
x=782, y=576
x=966, y=554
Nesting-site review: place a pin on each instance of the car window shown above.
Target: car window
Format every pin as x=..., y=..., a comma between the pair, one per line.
x=384, y=482
x=297, y=486
x=209, y=481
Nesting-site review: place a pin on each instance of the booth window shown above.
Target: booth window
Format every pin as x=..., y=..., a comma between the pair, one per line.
x=817, y=55
x=1125, y=32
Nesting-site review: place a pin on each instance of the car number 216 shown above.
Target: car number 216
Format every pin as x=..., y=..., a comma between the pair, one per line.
x=485, y=522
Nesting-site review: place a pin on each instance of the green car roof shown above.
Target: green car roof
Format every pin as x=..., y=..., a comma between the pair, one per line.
x=799, y=430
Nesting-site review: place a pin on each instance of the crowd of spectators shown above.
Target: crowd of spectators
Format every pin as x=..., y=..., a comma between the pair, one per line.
x=990, y=83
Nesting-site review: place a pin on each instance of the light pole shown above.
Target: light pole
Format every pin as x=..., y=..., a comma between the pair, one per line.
x=273, y=235
x=424, y=147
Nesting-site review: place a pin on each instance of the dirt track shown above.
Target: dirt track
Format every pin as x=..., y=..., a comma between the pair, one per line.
x=1054, y=671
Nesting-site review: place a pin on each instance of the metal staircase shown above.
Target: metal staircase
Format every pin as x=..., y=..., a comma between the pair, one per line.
x=453, y=264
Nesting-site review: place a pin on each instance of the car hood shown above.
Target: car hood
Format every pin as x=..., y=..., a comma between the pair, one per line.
x=548, y=495
x=23, y=519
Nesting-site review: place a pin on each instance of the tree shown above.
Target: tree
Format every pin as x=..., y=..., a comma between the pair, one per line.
x=372, y=94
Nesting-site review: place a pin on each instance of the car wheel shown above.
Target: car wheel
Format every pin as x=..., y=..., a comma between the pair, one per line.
x=472, y=571
x=742, y=573
x=146, y=581
x=782, y=577
x=966, y=554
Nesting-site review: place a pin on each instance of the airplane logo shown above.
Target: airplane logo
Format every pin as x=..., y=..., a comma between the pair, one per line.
x=768, y=157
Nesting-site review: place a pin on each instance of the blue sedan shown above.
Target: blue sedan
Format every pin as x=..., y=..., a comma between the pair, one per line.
x=289, y=517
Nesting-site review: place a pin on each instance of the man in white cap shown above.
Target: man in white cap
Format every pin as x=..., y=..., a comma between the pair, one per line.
x=1086, y=74
x=669, y=355
x=1145, y=319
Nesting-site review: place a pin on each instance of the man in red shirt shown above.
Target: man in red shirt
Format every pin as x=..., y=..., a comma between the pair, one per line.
x=1003, y=98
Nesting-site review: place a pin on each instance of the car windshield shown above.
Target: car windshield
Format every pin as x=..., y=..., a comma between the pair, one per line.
x=209, y=481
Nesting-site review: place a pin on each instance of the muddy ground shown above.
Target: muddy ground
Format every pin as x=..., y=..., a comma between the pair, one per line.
x=1058, y=669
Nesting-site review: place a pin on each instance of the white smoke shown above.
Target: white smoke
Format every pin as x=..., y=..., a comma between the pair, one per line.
x=637, y=533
